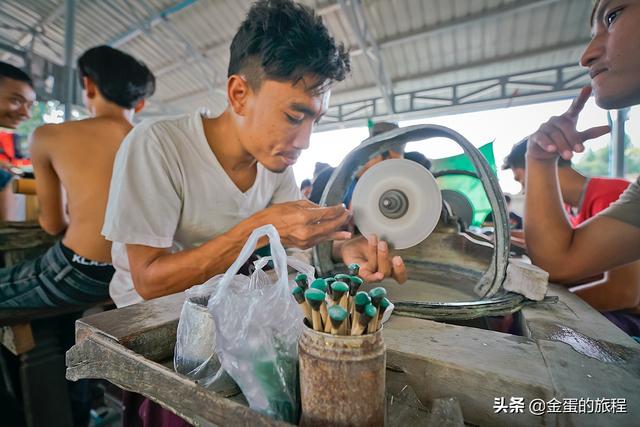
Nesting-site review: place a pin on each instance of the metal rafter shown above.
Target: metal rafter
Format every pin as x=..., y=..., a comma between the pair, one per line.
x=368, y=44
x=150, y=22
x=28, y=37
x=525, y=87
x=327, y=8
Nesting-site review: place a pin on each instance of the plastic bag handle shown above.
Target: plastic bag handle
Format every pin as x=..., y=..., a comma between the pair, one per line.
x=296, y=264
x=277, y=252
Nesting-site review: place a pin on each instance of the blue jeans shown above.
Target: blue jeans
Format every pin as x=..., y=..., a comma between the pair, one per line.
x=49, y=281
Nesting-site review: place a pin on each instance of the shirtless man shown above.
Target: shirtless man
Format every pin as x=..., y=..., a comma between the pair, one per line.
x=77, y=158
x=609, y=239
x=16, y=99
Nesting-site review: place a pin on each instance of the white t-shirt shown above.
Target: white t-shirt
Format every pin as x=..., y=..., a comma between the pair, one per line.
x=169, y=190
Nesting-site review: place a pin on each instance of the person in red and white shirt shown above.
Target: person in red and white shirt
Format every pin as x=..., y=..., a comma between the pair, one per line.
x=616, y=293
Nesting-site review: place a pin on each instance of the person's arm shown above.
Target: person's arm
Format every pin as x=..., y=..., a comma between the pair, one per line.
x=48, y=187
x=157, y=272
x=618, y=290
x=567, y=254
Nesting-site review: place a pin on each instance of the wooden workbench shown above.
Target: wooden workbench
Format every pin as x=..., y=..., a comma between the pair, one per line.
x=568, y=351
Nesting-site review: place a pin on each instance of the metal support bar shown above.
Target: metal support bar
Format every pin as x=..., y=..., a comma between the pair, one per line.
x=69, y=34
x=150, y=22
x=367, y=43
x=492, y=92
x=501, y=11
x=617, y=144
x=11, y=48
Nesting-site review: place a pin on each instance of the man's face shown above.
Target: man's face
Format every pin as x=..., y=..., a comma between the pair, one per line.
x=519, y=175
x=613, y=56
x=278, y=121
x=391, y=154
x=16, y=100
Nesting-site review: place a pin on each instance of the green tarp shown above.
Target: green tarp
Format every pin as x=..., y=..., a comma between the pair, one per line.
x=469, y=186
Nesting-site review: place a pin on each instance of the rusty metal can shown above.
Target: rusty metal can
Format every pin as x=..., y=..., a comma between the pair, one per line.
x=342, y=379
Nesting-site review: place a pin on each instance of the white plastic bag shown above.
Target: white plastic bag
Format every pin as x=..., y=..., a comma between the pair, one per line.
x=195, y=353
x=258, y=324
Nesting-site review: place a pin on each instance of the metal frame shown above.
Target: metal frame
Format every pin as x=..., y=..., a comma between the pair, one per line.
x=368, y=44
x=547, y=83
x=69, y=39
x=491, y=282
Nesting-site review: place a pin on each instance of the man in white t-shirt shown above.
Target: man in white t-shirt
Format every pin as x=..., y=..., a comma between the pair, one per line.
x=186, y=192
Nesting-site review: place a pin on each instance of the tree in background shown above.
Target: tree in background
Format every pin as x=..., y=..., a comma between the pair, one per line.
x=596, y=162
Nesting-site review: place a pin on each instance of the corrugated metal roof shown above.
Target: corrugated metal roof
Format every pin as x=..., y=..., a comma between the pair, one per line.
x=423, y=43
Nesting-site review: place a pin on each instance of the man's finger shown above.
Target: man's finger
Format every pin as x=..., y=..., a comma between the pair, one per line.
x=594, y=132
x=326, y=213
x=384, y=264
x=399, y=269
x=578, y=103
x=328, y=226
x=569, y=131
x=543, y=141
x=557, y=137
x=368, y=276
x=372, y=252
x=340, y=235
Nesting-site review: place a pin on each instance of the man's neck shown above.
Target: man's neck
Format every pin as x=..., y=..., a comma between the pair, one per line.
x=572, y=185
x=112, y=111
x=223, y=139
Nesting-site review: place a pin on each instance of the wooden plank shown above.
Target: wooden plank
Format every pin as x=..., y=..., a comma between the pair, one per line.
x=148, y=328
x=587, y=356
x=18, y=339
x=571, y=312
x=576, y=376
x=15, y=235
x=17, y=316
x=473, y=365
x=99, y=356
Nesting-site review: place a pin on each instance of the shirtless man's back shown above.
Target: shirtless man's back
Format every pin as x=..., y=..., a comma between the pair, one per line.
x=72, y=163
x=79, y=155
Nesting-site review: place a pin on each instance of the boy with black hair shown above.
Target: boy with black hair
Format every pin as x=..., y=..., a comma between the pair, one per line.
x=201, y=185
x=17, y=96
x=76, y=158
x=610, y=239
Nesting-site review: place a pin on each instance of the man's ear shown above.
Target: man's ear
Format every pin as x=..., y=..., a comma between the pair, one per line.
x=238, y=93
x=90, y=87
x=139, y=106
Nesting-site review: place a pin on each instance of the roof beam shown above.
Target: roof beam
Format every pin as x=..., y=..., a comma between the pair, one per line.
x=209, y=50
x=11, y=48
x=483, y=62
x=29, y=35
x=149, y=23
x=367, y=43
x=500, y=11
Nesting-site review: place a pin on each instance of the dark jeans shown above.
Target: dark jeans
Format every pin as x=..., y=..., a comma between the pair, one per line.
x=50, y=280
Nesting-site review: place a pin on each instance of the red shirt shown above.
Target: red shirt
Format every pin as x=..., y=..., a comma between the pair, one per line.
x=598, y=195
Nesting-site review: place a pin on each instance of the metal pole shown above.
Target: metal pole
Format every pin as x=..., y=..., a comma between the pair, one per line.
x=69, y=33
x=617, y=144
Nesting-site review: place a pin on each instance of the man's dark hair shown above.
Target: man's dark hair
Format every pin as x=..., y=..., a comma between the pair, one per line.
x=416, y=156
x=305, y=183
x=516, y=158
x=8, y=71
x=284, y=41
x=121, y=78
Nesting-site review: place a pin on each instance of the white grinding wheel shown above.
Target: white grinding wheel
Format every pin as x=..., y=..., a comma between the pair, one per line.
x=399, y=201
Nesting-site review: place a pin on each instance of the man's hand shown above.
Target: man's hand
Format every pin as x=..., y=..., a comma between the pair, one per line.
x=374, y=259
x=559, y=136
x=303, y=224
